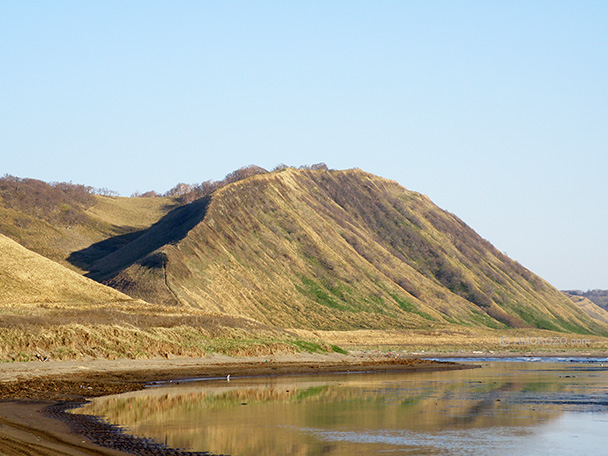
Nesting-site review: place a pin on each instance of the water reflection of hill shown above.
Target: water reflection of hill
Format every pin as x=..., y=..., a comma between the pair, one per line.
x=276, y=416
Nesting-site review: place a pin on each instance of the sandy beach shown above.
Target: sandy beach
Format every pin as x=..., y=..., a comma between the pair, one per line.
x=34, y=394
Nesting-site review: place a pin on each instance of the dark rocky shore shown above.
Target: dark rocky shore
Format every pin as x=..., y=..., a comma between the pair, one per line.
x=112, y=436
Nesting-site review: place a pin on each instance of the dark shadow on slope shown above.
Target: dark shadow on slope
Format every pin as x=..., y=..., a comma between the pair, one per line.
x=106, y=258
x=85, y=258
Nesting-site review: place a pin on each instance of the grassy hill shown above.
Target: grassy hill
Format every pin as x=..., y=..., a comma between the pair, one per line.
x=342, y=256
x=56, y=220
x=49, y=311
x=318, y=249
x=28, y=278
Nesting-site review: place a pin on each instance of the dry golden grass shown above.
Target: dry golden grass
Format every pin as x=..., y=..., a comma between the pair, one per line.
x=106, y=218
x=27, y=278
x=131, y=330
x=78, y=341
x=137, y=213
x=134, y=329
x=49, y=311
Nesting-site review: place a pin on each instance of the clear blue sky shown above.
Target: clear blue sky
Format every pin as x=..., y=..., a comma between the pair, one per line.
x=497, y=110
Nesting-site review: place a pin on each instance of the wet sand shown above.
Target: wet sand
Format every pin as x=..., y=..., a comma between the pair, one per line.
x=34, y=395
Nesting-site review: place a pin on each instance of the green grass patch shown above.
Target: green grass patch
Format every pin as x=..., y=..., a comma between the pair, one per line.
x=451, y=320
x=479, y=317
x=320, y=295
x=337, y=349
x=529, y=315
x=310, y=347
x=574, y=328
x=407, y=306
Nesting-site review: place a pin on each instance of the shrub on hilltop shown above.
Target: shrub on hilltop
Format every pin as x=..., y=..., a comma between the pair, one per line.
x=61, y=203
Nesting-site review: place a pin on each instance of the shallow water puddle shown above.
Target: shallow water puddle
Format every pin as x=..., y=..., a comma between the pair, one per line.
x=503, y=408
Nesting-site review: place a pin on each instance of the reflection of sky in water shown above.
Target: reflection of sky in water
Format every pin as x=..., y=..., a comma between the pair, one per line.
x=504, y=408
x=571, y=434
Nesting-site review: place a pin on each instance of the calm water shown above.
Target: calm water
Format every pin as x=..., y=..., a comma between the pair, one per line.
x=503, y=408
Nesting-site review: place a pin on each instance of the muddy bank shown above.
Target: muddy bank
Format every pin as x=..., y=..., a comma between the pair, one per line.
x=78, y=381
x=34, y=399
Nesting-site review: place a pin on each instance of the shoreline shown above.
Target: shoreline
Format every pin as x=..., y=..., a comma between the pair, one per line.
x=34, y=396
x=79, y=380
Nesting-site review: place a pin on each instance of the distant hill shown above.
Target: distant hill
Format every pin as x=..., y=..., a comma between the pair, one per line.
x=328, y=250
x=599, y=297
x=589, y=307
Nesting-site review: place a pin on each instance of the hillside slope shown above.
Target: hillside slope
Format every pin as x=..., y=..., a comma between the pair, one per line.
x=589, y=307
x=28, y=278
x=51, y=312
x=333, y=250
x=55, y=220
x=598, y=297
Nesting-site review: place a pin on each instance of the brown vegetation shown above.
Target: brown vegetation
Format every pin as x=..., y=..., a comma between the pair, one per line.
x=57, y=220
x=190, y=192
x=60, y=203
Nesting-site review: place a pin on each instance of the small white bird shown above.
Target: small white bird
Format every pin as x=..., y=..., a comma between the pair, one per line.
x=228, y=377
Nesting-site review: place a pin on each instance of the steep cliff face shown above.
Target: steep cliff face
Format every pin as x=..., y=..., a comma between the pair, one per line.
x=333, y=250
